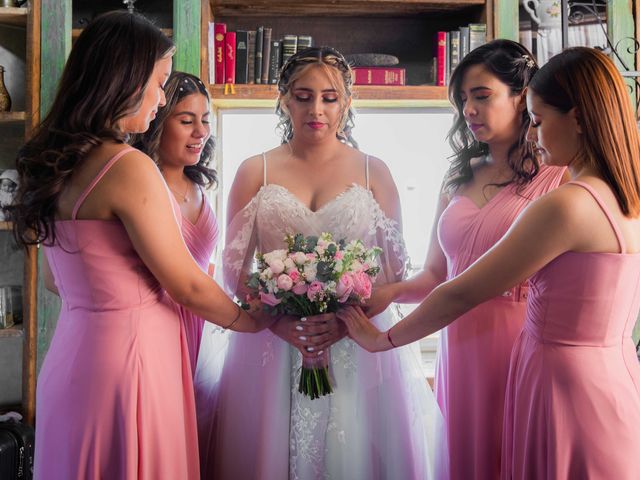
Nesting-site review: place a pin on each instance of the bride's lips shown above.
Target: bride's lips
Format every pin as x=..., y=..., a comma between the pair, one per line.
x=315, y=125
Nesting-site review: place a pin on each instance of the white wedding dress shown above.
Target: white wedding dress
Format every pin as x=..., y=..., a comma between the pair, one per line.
x=381, y=422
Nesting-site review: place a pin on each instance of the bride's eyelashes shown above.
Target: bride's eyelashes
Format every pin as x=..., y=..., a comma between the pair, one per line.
x=303, y=99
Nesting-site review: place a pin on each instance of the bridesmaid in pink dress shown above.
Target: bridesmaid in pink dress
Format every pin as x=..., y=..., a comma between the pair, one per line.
x=115, y=396
x=573, y=394
x=179, y=140
x=493, y=177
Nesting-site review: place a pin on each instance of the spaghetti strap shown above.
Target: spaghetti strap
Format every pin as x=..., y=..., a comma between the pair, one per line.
x=606, y=211
x=366, y=170
x=264, y=169
x=94, y=182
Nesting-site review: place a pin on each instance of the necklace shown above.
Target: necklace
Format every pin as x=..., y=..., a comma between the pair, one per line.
x=185, y=197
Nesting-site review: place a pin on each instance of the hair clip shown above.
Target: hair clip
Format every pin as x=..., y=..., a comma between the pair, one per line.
x=181, y=89
x=186, y=80
x=529, y=61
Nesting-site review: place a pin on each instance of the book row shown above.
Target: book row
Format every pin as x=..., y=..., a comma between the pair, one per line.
x=451, y=47
x=250, y=56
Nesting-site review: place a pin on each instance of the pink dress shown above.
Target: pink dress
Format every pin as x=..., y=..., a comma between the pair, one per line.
x=573, y=395
x=115, y=395
x=473, y=355
x=201, y=238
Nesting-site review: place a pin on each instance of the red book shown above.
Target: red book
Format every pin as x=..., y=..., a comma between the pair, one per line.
x=379, y=76
x=230, y=57
x=219, y=31
x=441, y=55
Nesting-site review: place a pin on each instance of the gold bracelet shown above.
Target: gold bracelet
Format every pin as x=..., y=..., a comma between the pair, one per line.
x=235, y=319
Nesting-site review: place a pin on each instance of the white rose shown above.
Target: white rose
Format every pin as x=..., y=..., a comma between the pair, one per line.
x=310, y=272
x=289, y=265
x=277, y=266
x=300, y=258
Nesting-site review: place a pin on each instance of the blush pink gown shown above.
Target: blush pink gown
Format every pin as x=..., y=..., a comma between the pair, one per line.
x=473, y=355
x=115, y=395
x=201, y=238
x=573, y=396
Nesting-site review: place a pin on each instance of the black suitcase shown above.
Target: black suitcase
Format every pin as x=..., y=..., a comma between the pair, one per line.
x=8, y=451
x=24, y=438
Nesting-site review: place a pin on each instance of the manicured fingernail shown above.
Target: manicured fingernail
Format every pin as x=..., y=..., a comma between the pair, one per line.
x=310, y=349
x=303, y=319
x=302, y=338
x=320, y=352
x=299, y=328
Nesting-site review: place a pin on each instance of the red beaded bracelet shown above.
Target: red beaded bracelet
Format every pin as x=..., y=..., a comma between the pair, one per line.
x=389, y=338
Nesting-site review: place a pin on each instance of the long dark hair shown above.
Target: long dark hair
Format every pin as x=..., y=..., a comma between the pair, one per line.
x=514, y=66
x=587, y=80
x=338, y=70
x=178, y=86
x=102, y=82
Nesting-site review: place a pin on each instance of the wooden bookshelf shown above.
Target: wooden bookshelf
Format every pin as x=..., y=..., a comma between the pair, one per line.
x=75, y=32
x=339, y=8
x=13, y=16
x=255, y=96
x=12, y=117
x=14, y=331
x=6, y=226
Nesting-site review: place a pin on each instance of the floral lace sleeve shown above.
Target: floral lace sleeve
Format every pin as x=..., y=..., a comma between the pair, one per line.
x=386, y=234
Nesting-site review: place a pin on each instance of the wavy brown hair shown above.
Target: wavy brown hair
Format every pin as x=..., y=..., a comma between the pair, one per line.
x=178, y=86
x=513, y=65
x=102, y=82
x=336, y=67
x=587, y=80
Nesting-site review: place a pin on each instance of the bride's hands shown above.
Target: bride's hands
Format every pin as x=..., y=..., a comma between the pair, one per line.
x=362, y=331
x=313, y=335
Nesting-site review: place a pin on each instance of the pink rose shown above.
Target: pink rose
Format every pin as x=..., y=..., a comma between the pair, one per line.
x=339, y=255
x=269, y=299
x=362, y=285
x=285, y=282
x=314, y=289
x=344, y=287
x=300, y=288
x=294, y=275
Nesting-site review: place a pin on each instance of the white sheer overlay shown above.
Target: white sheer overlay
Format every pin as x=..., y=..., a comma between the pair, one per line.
x=381, y=422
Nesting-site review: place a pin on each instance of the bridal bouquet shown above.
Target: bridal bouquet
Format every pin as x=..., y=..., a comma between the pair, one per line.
x=314, y=275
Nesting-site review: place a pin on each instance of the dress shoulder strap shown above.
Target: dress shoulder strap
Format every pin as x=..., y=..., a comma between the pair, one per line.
x=264, y=169
x=95, y=181
x=366, y=170
x=606, y=211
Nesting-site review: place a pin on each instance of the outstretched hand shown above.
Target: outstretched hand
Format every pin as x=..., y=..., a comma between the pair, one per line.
x=311, y=335
x=362, y=331
x=380, y=299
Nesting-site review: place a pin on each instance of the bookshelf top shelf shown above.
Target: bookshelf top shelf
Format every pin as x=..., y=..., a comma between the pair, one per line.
x=247, y=96
x=338, y=7
x=13, y=16
x=6, y=226
x=11, y=117
x=14, y=331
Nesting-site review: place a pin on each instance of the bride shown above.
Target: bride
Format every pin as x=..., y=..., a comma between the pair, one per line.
x=381, y=421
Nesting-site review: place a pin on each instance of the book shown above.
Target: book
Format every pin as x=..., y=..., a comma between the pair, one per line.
x=242, y=67
x=258, y=63
x=447, y=58
x=441, y=56
x=379, y=76
x=274, y=62
x=464, y=42
x=289, y=46
x=304, y=41
x=251, y=56
x=211, y=52
x=220, y=29
x=454, y=53
x=230, y=57
x=266, y=55
x=477, y=35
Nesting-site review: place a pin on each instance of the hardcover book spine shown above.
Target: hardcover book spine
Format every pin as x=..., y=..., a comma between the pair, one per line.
x=266, y=55
x=241, y=56
x=464, y=42
x=220, y=29
x=251, y=56
x=454, y=57
x=379, y=76
x=230, y=57
x=258, y=62
x=274, y=62
x=289, y=45
x=477, y=35
x=304, y=41
x=441, y=50
x=211, y=42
